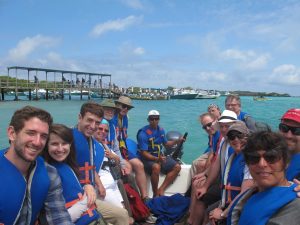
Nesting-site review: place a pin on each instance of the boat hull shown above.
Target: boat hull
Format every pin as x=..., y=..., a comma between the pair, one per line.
x=184, y=96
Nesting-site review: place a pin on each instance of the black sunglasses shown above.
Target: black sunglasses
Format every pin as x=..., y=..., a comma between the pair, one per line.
x=204, y=127
x=153, y=118
x=285, y=128
x=234, y=134
x=270, y=157
x=125, y=106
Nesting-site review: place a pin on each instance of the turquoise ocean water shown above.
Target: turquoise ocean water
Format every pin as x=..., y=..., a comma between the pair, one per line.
x=179, y=115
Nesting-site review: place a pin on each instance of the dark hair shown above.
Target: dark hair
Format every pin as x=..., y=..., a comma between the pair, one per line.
x=26, y=113
x=65, y=134
x=268, y=141
x=91, y=107
x=232, y=97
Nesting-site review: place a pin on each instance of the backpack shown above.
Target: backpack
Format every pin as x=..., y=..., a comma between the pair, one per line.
x=139, y=210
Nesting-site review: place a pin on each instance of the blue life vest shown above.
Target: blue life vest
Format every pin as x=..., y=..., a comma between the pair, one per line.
x=72, y=191
x=259, y=207
x=235, y=177
x=242, y=116
x=112, y=134
x=294, y=167
x=214, y=142
x=155, y=139
x=84, y=159
x=13, y=190
x=121, y=132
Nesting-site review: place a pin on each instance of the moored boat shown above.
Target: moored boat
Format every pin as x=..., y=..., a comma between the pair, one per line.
x=205, y=94
x=261, y=98
x=184, y=94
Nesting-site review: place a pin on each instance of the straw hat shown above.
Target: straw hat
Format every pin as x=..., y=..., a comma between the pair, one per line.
x=125, y=101
x=109, y=103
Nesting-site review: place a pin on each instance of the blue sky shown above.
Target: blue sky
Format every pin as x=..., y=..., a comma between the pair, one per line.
x=208, y=44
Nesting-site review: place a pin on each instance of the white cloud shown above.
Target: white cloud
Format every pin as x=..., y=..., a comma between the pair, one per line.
x=135, y=4
x=229, y=54
x=139, y=51
x=286, y=74
x=28, y=45
x=115, y=25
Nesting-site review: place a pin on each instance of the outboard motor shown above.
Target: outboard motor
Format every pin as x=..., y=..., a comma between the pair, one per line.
x=173, y=135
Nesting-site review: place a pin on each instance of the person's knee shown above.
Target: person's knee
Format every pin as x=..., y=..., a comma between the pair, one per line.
x=137, y=165
x=156, y=169
x=177, y=168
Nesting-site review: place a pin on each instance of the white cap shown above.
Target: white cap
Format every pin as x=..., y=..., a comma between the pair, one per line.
x=227, y=116
x=153, y=113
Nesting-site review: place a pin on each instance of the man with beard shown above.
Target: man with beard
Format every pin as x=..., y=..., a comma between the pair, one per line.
x=290, y=129
x=29, y=186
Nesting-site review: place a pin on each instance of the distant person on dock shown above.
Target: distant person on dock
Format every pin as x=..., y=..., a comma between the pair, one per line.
x=289, y=127
x=90, y=154
x=273, y=200
x=77, y=82
x=36, y=80
x=151, y=139
x=233, y=103
x=120, y=121
x=29, y=186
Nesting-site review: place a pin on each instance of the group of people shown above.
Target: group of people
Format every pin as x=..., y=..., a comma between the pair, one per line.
x=53, y=174
x=246, y=175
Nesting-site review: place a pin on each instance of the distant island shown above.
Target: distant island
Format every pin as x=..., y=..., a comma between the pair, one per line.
x=252, y=93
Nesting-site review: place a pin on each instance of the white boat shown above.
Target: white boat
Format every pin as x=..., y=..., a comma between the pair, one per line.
x=208, y=94
x=184, y=94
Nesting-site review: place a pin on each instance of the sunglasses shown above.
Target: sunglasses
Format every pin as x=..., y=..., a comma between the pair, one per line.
x=208, y=125
x=285, y=128
x=270, y=157
x=102, y=129
x=125, y=106
x=234, y=134
x=153, y=118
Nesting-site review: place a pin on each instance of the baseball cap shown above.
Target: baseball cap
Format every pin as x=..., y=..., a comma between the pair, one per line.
x=239, y=126
x=292, y=114
x=153, y=113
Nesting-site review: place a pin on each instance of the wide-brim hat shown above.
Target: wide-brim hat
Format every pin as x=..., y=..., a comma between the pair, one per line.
x=292, y=114
x=239, y=126
x=227, y=116
x=109, y=103
x=125, y=101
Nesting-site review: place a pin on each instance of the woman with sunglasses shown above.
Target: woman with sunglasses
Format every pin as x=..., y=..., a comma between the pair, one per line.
x=236, y=178
x=60, y=153
x=273, y=200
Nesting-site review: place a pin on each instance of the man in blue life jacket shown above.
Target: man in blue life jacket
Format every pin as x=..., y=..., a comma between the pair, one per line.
x=233, y=103
x=151, y=139
x=89, y=156
x=29, y=186
x=289, y=127
x=120, y=120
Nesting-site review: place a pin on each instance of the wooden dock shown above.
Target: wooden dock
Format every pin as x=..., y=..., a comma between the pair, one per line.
x=37, y=83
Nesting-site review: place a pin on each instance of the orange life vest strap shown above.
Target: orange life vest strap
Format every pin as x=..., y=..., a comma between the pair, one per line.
x=71, y=203
x=86, y=168
x=230, y=188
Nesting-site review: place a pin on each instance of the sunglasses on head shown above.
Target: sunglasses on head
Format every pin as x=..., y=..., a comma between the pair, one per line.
x=270, y=157
x=153, y=118
x=208, y=125
x=285, y=128
x=234, y=134
x=102, y=129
